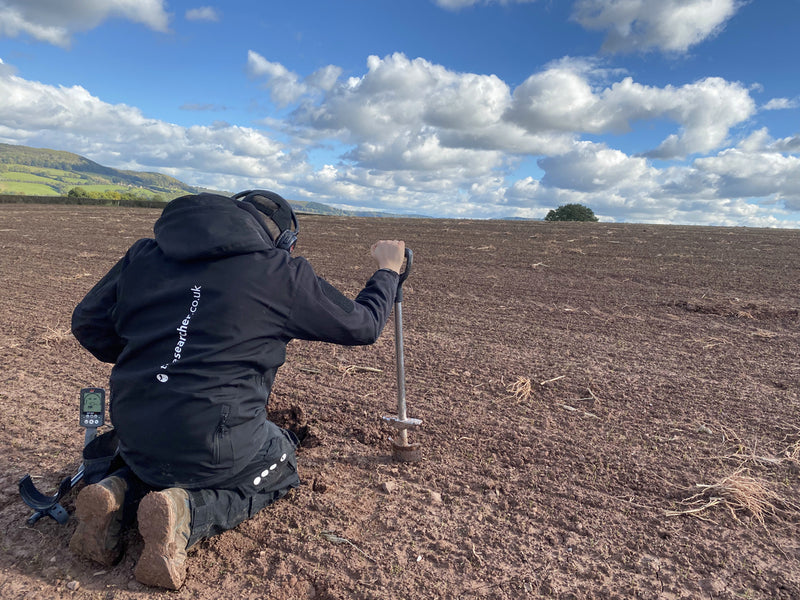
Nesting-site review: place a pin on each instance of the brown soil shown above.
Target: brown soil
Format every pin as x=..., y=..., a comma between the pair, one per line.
x=660, y=359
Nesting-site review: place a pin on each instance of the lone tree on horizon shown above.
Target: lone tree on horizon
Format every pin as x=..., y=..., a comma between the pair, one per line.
x=571, y=212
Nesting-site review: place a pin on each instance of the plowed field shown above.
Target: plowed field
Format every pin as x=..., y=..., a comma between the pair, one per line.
x=609, y=411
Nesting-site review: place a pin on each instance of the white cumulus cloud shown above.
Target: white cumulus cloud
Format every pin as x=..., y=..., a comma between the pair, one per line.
x=118, y=135
x=413, y=114
x=55, y=22
x=667, y=25
x=594, y=167
x=782, y=104
x=759, y=167
x=751, y=184
x=563, y=98
x=285, y=86
x=203, y=13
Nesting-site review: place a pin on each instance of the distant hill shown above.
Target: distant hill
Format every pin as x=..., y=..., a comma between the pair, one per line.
x=42, y=172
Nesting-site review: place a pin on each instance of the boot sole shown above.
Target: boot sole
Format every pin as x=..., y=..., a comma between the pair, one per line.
x=95, y=508
x=160, y=564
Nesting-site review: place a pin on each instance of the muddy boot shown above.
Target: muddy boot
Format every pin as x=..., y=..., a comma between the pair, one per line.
x=98, y=509
x=165, y=524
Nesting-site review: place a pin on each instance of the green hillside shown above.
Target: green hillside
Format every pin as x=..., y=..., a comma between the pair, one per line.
x=44, y=172
x=40, y=173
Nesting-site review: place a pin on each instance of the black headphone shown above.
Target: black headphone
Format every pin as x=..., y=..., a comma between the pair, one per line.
x=283, y=214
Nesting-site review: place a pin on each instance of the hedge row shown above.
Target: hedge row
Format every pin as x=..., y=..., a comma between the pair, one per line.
x=21, y=199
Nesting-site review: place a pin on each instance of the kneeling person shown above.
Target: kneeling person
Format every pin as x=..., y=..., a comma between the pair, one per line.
x=196, y=322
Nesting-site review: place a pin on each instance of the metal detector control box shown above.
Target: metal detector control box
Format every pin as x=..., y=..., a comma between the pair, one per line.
x=93, y=407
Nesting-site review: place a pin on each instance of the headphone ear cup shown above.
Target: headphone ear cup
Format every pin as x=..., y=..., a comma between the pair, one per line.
x=286, y=240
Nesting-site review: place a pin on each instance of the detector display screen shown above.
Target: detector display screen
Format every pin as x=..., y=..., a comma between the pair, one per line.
x=93, y=402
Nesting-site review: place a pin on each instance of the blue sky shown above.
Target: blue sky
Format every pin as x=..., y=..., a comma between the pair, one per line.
x=658, y=111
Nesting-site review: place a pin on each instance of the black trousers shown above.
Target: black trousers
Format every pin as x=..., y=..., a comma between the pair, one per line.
x=270, y=475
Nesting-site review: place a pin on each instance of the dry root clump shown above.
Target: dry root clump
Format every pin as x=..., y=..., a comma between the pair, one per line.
x=794, y=452
x=744, y=454
x=738, y=493
x=521, y=388
x=54, y=335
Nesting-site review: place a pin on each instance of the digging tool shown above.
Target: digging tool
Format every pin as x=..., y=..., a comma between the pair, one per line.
x=92, y=412
x=401, y=449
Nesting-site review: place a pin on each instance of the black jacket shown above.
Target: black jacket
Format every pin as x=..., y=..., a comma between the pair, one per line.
x=196, y=322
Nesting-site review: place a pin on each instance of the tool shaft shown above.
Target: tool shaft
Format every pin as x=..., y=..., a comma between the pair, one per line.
x=401, y=372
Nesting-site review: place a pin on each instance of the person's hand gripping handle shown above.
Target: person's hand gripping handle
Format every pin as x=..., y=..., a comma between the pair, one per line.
x=389, y=254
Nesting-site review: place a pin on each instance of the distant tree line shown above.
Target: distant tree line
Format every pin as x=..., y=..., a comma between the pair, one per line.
x=29, y=199
x=79, y=192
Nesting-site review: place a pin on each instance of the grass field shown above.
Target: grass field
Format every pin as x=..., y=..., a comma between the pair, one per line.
x=27, y=188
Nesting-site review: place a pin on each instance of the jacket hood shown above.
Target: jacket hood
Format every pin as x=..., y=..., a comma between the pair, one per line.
x=209, y=226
